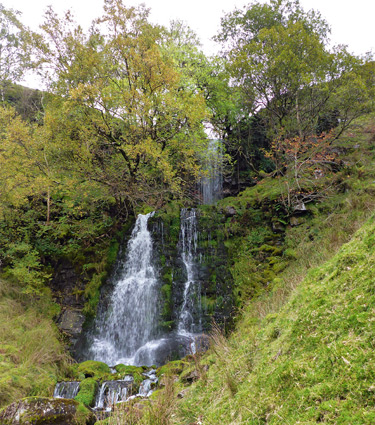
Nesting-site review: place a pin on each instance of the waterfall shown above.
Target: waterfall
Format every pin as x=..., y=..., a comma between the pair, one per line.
x=189, y=321
x=146, y=387
x=131, y=321
x=111, y=393
x=66, y=389
x=212, y=183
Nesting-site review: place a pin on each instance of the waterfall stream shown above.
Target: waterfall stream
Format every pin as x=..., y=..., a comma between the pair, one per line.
x=125, y=332
x=127, y=329
x=212, y=183
x=66, y=389
x=189, y=321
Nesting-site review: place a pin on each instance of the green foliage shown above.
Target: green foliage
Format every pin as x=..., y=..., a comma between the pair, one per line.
x=288, y=79
x=25, y=267
x=92, y=294
x=130, y=124
x=15, y=54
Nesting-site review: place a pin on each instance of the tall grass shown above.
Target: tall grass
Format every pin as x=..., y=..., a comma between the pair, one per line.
x=31, y=354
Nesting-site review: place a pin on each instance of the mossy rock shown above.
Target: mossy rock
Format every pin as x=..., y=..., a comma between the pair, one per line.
x=172, y=368
x=93, y=369
x=87, y=392
x=134, y=371
x=42, y=411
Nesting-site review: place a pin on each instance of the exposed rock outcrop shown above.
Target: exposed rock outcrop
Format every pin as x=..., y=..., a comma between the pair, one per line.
x=40, y=411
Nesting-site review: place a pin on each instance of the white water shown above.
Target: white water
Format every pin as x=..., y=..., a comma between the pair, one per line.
x=66, y=389
x=131, y=321
x=212, y=182
x=111, y=393
x=189, y=322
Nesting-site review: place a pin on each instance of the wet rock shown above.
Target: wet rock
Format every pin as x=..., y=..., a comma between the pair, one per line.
x=40, y=411
x=71, y=322
x=67, y=285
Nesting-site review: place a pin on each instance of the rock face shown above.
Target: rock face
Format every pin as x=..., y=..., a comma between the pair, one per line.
x=67, y=285
x=211, y=269
x=71, y=321
x=40, y=411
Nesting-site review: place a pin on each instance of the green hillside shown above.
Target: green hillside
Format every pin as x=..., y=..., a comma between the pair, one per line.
x=311, y=362
x=302, y=352
x=32, y=355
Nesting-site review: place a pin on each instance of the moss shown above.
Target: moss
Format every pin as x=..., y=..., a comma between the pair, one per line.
x=134, y=371
x=92, y=369
x=172, y=368
x=209, y=304
x=112, y=254
x=83, y=415
x=92, y=294
x=167, y=325
x=87, y=392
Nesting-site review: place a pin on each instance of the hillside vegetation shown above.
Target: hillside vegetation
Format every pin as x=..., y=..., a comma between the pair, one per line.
x=32, y=355
x=311, y=362
x=303, y=350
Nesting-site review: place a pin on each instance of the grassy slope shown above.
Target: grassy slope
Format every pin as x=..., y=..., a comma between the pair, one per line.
x=304, y=352
x=31, y=355
x=313, y=362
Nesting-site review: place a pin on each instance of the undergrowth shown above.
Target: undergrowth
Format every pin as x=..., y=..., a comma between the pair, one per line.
x=32, y=357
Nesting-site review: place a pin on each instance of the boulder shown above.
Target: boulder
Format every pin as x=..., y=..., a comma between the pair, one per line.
x=40, y=411
x=71, y=321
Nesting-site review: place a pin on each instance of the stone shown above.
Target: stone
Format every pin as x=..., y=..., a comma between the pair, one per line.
x=40, y=411
x=71, y=321
x=181, y=394
x=191, y=377
x=230, y=211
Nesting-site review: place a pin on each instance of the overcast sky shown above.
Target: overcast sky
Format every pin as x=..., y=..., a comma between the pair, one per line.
x=352, y=22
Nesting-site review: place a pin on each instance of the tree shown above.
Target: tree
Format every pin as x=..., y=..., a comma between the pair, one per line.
x=15, y=55
x=140, y=126
x=279, y=58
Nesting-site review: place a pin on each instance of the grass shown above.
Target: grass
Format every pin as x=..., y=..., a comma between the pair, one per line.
x=311, y=362
x=32, y=357
x=303, y=350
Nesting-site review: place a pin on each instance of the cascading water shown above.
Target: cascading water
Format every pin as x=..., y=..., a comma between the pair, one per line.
x=212, y=183
x=190, y=322
x=131, y=321
x=66, y=389
x=111, y=393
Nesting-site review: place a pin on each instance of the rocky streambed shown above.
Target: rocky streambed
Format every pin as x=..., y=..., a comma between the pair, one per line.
x=96, y=392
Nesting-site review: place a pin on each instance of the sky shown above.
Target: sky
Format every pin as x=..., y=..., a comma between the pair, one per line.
x=351, y=21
